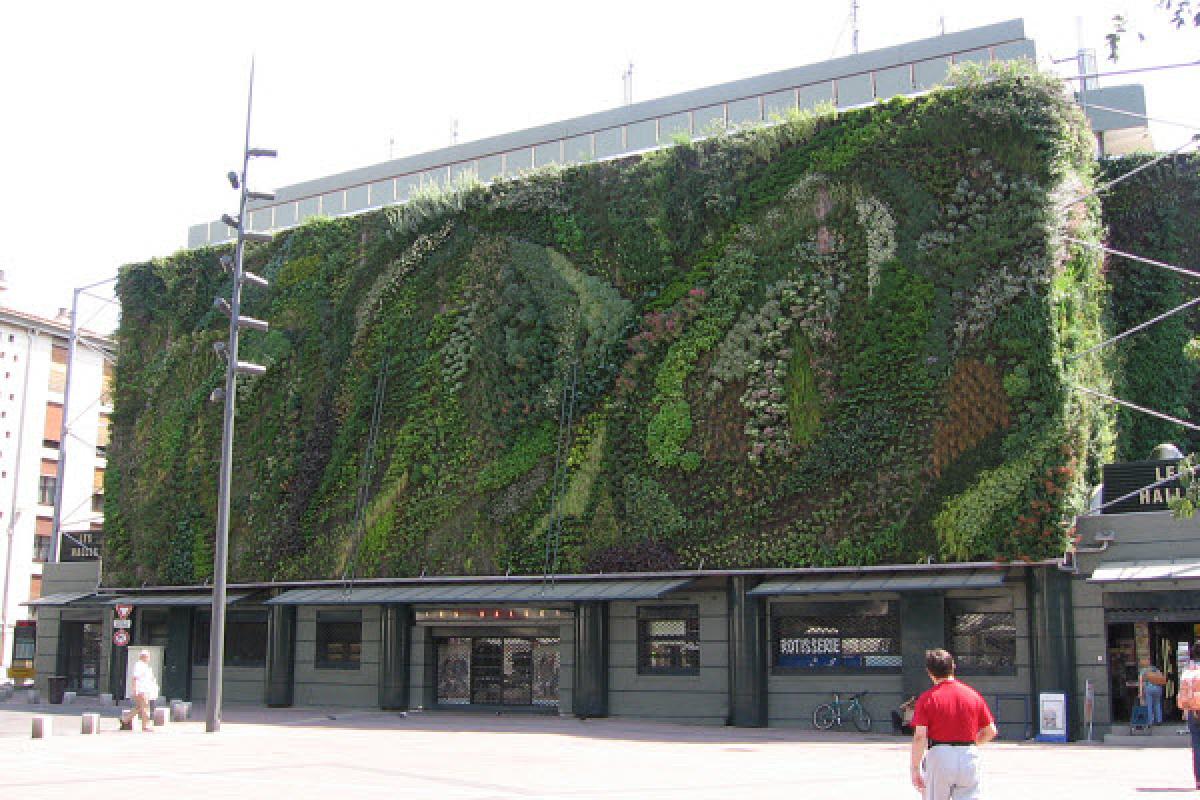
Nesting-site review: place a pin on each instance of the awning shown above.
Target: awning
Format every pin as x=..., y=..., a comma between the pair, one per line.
x=891, y=582
x=1167, y=569
x=63, y=599
x=566, y=591
x=185, y=600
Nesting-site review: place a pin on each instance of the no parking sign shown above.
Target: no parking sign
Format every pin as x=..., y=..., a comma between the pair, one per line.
x=121, y=638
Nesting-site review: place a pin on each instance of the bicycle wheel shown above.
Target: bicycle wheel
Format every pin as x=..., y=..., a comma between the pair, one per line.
x=823, y=717
x=862, y=720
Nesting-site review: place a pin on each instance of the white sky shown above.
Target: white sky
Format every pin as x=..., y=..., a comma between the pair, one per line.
x=118, y=121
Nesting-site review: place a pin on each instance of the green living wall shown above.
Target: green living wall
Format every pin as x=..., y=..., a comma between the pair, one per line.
x=840, y=339
x=1154, y=214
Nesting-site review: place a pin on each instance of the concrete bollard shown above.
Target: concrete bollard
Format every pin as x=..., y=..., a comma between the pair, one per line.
x=161, y=717
x=180, y=711
x=91, y=723
x=69, y=698
x=32, y=697
x=42, y=726
x=106, y=699
x=128, y=718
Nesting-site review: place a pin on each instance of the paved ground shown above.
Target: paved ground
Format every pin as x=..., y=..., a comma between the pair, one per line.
x=315, y=753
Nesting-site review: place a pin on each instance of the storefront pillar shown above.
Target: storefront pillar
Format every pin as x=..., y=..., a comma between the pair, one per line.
x=590, y=697
x=395, y=643
x=177, y=657
x=922, y=627
x=1052, y=640
x=747, y=655
x=281, y=656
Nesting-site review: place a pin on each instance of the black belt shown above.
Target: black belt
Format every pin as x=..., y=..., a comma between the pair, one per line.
x=935, y=743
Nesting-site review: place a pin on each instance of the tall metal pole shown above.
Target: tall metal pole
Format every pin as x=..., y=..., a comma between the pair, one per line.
x=65, y=427
x=216, y=640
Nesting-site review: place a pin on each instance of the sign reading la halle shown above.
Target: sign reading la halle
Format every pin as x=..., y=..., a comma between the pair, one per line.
x=1150, y=484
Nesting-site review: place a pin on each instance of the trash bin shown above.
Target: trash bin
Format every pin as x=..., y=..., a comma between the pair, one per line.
x=56, y=686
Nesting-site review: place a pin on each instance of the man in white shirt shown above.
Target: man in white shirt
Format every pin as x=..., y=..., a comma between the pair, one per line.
x=145, y=689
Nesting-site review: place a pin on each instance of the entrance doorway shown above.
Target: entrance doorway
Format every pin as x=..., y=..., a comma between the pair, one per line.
x=1128, y=642
x=80, y=651
x=498, y=670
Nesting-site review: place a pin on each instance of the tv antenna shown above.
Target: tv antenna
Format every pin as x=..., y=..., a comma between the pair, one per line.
x=627, y=82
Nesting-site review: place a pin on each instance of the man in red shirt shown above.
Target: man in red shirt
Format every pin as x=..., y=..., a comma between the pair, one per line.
x=949, y=721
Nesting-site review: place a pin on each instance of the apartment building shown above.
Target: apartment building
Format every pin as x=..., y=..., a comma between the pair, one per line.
x=34, y=456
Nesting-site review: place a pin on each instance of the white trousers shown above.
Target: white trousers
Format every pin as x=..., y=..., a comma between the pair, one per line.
x=951, y=773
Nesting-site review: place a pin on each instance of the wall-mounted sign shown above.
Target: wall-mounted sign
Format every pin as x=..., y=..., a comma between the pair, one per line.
x=122, y=624
x=123, y=610
x=1137, y=477
x=121, y=638
x=80, y=545
x=477, y=615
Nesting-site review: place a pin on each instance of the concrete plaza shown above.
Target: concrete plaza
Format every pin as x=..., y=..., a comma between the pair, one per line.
x=323, y=753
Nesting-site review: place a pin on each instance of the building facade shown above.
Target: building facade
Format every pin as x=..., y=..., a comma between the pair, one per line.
x=33, y=369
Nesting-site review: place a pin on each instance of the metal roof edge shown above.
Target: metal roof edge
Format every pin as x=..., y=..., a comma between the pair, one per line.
x=815, y=72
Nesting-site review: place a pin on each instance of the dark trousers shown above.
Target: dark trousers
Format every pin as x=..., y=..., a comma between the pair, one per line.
x=1194, y=729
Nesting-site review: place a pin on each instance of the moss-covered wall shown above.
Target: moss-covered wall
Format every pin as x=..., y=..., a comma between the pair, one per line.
x=836, y=340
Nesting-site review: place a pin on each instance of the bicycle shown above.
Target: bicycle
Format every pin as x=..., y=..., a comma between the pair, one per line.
x=826, y=714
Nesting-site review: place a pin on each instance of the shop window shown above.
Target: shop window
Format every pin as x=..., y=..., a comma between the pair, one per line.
x=668, y=639
x=339, y=640
x=245, y=638
x=981, y=632
x=855, y=635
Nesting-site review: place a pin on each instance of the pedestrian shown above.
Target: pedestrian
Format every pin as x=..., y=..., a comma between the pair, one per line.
x=1150, y=690
x=145, y=689
x=902, y=717
x=1188, y=700
x=950, y=721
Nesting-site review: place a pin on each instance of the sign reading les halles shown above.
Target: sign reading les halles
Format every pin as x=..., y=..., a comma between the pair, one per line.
x=81, y=545
x=1135, y=478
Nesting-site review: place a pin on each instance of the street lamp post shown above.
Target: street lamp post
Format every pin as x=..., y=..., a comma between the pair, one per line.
x=232, y=307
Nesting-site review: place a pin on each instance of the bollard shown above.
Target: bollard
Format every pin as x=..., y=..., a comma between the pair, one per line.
x=180, y=711
x=91, y=723
x=42, y=726
x=106, y=699
x=161, y=717
x=31, y=697
x=69, y=698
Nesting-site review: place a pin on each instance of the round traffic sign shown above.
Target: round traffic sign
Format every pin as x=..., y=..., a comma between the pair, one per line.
x=121, y=638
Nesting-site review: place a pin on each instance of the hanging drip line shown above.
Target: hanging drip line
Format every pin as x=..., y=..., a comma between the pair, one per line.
x=365, y=477
x=1104, y=187
x=566, y=420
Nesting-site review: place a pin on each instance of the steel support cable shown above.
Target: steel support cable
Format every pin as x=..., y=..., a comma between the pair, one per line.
x=1136, y=407
x=1132, y=71
x=1104, y=187
x=566, y=419
x=1135, y=329
x=1141, y=259
x=1135, y=114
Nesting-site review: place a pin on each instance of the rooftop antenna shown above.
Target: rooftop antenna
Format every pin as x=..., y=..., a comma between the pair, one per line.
x=391, y=147
x=854, y=26
x=454, y=131
x=627, y=82
x=942, y=25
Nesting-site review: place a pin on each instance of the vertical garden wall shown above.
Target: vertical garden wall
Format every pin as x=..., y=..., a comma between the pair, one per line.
x=1154, y=215
x=841, y=339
